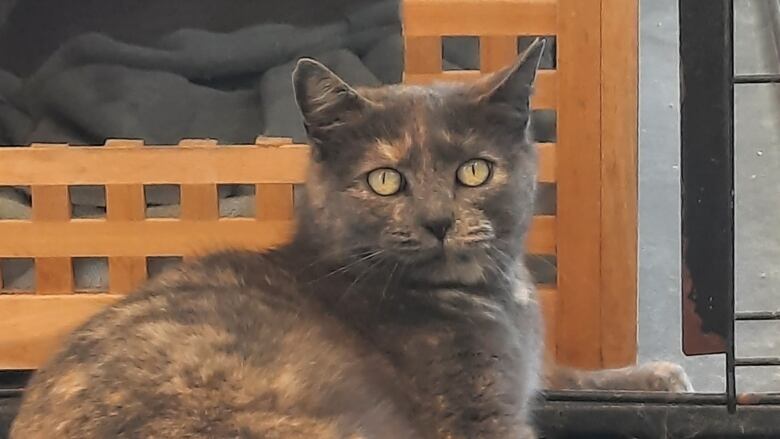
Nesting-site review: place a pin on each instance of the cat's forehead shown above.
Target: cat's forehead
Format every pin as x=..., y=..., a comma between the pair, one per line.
x=414, y=121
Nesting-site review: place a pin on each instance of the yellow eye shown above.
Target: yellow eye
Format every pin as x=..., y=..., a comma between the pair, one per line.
x=385, y=181
x=474, y=172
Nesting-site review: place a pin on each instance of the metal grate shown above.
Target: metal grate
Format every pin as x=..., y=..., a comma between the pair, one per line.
x=707, y=172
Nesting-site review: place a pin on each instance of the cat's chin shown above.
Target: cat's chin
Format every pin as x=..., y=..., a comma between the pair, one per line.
x=449, y=266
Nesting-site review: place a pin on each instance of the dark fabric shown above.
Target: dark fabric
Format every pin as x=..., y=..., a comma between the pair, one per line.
x=189, y=83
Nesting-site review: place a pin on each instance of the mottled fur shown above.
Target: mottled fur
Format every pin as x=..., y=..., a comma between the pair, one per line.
x=366, y=325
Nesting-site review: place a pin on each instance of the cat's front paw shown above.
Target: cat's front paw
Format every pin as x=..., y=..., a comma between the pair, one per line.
x=665, y=377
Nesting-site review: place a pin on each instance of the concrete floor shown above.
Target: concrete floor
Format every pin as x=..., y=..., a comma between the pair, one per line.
x=758, y=194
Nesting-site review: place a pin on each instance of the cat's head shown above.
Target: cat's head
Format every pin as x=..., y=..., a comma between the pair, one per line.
x=440, y=179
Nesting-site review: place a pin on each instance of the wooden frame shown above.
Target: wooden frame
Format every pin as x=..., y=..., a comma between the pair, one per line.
x=32, y=323
x=591, y=312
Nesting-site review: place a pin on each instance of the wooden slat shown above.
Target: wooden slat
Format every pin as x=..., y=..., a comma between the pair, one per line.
x=51, y=206
x=32, y=327
x=274, y=201
x=199, y=202
x=619, y=81
x=579, y=179
x=423, y=55
x=541, y=238
x=545, y=94
x=172, y=237
x=125, y=202
x=496, y=52
x=477, y=17
x=272, y=141
x=153, y=237
x=547, y=162
x=548, y=300
x=153, y=165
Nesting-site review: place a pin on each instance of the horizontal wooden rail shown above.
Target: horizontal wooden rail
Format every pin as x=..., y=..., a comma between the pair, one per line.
x=476, y=17
x=32, y=327
x=152, y=237
x=172, y=237
x=61, y=165
x=545, y=95
x=156, y=165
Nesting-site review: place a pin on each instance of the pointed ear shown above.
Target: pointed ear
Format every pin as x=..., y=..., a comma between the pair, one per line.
x=325, y=100
x=513, y=85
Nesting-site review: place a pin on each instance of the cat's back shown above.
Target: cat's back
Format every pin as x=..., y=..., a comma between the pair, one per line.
x=227, y=347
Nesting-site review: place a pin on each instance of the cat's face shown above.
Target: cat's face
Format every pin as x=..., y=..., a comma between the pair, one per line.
x=437, y=178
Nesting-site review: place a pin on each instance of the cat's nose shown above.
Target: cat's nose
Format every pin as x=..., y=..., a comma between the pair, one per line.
x=438, y=226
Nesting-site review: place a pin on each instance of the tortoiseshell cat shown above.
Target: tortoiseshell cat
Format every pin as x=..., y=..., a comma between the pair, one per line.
x=401, y=309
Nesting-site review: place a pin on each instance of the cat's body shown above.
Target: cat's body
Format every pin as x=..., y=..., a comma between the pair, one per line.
x=400, y=310
x=250, y=354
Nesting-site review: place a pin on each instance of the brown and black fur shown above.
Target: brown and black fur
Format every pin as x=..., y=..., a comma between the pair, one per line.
x=367, y=325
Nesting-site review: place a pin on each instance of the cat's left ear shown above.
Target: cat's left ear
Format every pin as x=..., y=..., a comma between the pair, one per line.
x=513, y=85
x=326, y=101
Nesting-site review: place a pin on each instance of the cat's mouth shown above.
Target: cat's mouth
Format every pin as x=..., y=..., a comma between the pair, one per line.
x=453, y=251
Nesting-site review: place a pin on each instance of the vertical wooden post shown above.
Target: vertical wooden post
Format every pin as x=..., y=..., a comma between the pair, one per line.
x=422, y=55
x=52, y=203
x=619, y=131
x=199, y=201
x=496, y=52
x=125, y=202
x=273, y=202
x=579, y=183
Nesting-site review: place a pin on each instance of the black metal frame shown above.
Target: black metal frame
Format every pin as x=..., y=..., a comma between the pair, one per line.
x=707, y=172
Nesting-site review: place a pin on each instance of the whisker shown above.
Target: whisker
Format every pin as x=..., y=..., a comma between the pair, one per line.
x=353, y=263
x=389, y=279
x=344, y=268
x=361, y=276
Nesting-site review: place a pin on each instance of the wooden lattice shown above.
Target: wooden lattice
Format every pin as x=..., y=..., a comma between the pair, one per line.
x=591, y=311
x=32, y=323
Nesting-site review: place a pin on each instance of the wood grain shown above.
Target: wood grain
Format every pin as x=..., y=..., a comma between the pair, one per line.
x=619, y=125
x=51, y=206
x=32, y=327
x=496, y=52
x=200, y=201
x=422, y=55
x=274, y=202
x=173, y=237
x=153, y=165
x=579, y=183
x=153, y=237
x=125, y=202
x=479, y=17
x=547, y=162
x=542, y=237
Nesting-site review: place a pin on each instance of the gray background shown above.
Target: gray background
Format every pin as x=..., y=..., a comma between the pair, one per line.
x=757, y=193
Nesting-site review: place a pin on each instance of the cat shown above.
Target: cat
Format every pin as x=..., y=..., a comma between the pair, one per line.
x=400, y=309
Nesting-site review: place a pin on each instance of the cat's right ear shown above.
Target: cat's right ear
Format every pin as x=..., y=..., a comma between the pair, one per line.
x=325, y=101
